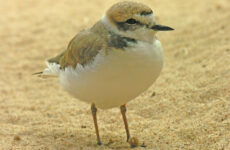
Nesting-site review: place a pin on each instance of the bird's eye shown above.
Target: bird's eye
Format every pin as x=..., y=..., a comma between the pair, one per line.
x=131, y=21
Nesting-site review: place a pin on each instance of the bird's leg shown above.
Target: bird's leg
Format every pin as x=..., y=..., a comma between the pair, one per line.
x=94, y=113
x=123, y=111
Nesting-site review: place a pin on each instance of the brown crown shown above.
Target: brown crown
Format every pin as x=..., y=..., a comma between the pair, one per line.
x=122, y=11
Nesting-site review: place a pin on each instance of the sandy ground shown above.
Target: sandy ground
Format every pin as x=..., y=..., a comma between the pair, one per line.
x=191, y=107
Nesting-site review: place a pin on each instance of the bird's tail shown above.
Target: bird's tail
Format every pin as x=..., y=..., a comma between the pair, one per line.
x=52, y=70
x=42, y=75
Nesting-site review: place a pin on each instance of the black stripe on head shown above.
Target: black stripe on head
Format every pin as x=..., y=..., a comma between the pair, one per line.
x=129, y=24
x=145, y=13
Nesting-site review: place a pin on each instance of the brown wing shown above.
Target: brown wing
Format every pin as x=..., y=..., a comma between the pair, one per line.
x=81, y=50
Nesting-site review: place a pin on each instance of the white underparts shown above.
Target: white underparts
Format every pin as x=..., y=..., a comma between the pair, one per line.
x=114, y=79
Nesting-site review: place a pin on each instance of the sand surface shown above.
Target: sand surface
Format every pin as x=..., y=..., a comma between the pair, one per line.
x=191, y=106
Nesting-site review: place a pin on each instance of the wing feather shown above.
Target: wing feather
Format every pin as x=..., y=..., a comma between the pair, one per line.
x=82, y=49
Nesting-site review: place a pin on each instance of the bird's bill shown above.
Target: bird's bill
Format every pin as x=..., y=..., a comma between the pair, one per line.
x=159, y=27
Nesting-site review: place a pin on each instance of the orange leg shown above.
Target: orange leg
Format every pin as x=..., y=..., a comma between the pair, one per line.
x=123, y=111
x=94, y=113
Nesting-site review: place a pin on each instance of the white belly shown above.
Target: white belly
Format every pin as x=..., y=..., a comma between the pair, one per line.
x=116, y=78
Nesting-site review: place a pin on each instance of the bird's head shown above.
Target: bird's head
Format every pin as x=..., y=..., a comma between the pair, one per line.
x=134, y=20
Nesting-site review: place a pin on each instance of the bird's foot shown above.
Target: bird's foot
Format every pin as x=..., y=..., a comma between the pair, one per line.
x=99, y=143
x=134, y=142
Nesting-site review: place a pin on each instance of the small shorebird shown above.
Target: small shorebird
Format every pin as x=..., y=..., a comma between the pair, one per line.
x=112, y=62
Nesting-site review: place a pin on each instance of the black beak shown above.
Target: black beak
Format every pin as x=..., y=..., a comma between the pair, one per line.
x=158, y=27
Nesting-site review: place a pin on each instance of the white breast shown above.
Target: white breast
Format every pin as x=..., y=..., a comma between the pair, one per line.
x=116, y=78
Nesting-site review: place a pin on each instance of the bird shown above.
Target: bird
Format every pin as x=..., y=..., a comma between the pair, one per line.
x=112, y=62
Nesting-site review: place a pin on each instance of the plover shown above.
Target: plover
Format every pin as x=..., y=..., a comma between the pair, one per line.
x=112, y=62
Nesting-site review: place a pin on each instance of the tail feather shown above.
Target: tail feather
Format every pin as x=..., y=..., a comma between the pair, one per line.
x=37, y=73
x=52, y=70
x=42, y=75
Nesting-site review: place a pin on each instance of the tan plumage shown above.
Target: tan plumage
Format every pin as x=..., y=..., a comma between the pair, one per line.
x=82, y=49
